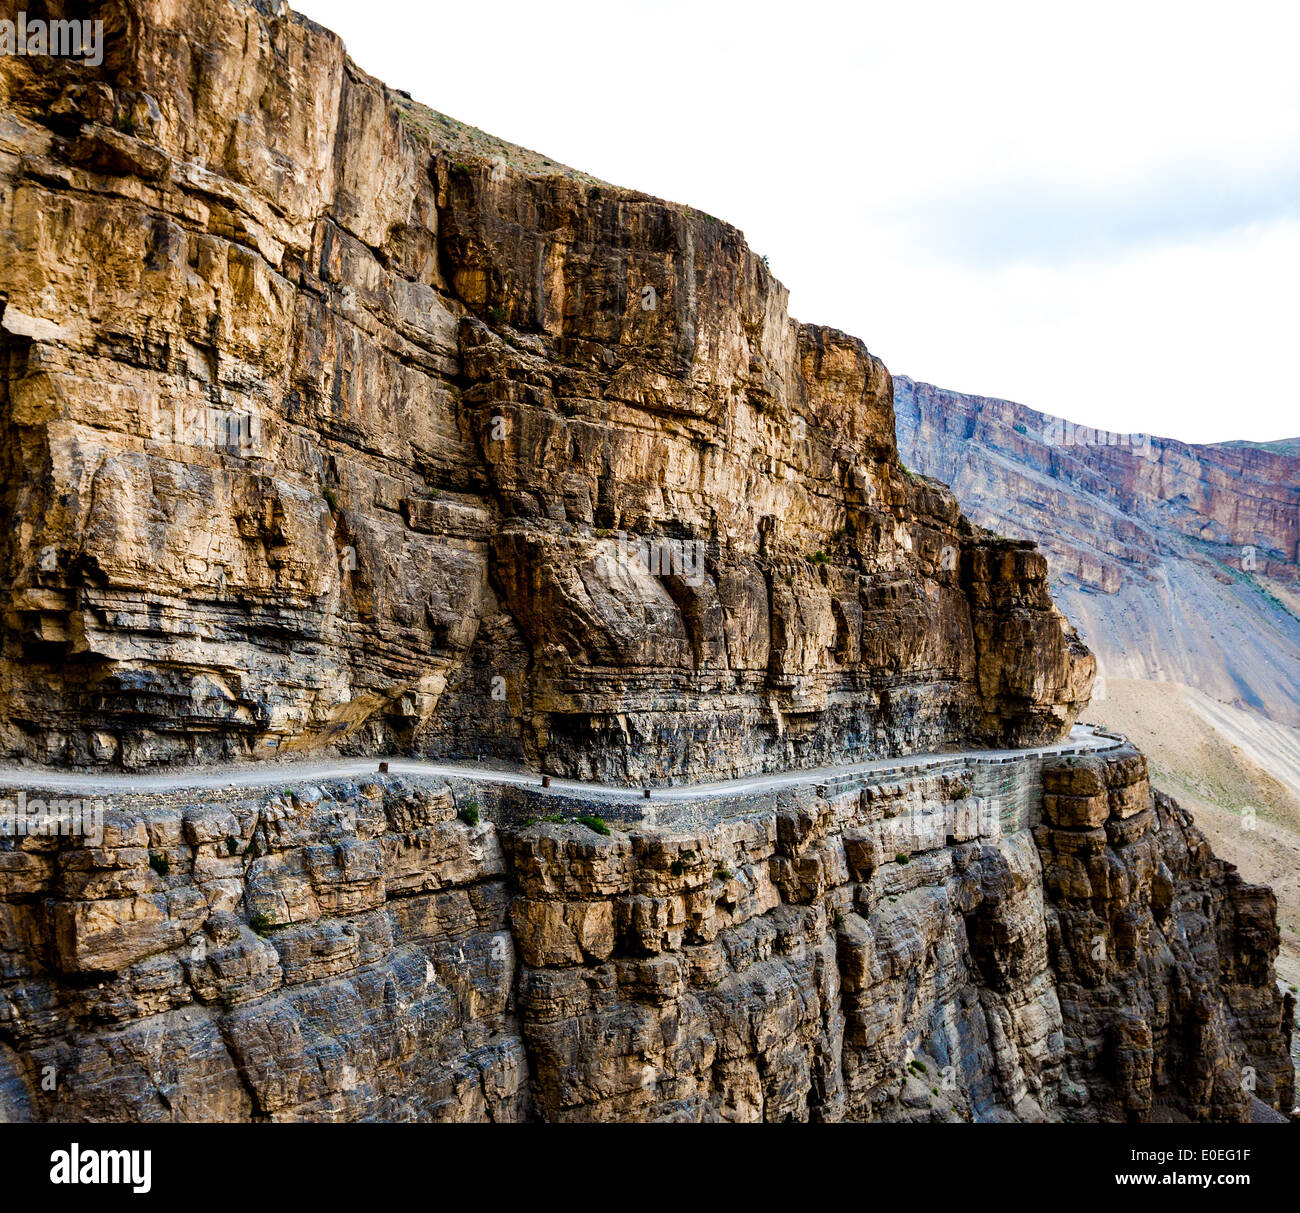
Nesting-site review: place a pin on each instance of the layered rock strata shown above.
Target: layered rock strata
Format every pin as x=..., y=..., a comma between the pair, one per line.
x=401, y=950
x=329, y=423
x=1177, y=562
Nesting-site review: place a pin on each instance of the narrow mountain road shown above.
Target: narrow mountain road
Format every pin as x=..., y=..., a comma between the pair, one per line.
x=1082, y=738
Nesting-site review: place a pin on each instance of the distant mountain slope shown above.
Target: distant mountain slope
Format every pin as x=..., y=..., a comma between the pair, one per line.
x=1220, y=761
x=1177, y=563
x=1283, y=446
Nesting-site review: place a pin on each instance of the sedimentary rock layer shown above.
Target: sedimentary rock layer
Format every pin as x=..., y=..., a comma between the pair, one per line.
x=404, y=951
x=1176, y=562
x=330, y=423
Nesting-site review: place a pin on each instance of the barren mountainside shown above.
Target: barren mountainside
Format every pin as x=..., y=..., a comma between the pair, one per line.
x=323, y=430
x=357, y=952
x=331, y=425
x=1177, y=562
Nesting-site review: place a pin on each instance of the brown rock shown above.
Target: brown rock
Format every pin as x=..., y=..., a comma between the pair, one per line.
x=373, y=447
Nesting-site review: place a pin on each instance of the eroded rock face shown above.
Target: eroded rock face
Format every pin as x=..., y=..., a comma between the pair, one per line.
x=328, y=424
x=880, y=952
x=301, y=958
x=1176, y=562
x=1163, y=955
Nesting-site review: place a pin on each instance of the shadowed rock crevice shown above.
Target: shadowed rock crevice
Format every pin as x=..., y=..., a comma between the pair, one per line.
x=1163, y=955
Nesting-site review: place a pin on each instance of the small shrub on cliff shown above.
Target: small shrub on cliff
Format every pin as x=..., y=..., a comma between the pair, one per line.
x=232, y=845
x=722, y=872
x=160, y=863
x=569, y=410
x=1020, y=428
x=818, y=557
x=330, y=499
x=595, y=823
x=496, y=315
x=262, y=923
x=469, y=812
x=902, y=857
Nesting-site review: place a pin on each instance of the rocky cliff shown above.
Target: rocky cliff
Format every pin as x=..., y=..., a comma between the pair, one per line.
x=332, y=424
x=1176, y=562
x=379, y=950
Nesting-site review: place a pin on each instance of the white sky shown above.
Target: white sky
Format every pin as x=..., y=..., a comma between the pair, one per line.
x=1091, y=209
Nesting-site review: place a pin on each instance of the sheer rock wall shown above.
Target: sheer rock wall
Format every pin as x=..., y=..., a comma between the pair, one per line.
x=883, y=952
x=330, y=424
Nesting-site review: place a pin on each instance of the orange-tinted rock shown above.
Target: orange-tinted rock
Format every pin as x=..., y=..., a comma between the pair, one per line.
x=329, y=427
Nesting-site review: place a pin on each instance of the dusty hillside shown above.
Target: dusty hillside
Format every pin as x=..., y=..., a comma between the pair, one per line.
x=1220, y=762
x=1178, y=565
x=1176, y=562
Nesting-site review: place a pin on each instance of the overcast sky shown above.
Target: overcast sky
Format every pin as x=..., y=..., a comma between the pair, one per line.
x=1091, y=209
